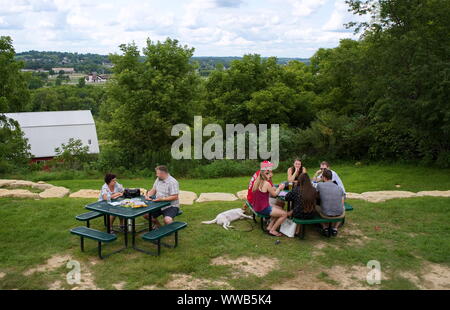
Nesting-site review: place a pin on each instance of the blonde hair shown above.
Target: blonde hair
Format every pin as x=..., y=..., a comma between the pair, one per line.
x=260, y=180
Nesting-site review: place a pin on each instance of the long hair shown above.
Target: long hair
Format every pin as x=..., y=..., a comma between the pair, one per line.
x=300, y=171
x=260, y=180
x=308, y=193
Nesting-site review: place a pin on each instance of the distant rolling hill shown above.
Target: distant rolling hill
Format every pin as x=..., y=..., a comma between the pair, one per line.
x=86, y=63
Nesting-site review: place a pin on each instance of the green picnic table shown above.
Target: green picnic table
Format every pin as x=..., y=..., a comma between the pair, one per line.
x=128, y=214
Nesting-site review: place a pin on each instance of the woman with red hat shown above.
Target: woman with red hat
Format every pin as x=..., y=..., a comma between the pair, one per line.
x=261, y=190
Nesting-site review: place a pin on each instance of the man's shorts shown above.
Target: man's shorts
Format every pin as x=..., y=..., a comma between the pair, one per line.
x=319, y=210
x=169, y=212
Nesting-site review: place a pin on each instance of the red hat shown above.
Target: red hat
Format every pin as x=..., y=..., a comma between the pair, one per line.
x=266, y=165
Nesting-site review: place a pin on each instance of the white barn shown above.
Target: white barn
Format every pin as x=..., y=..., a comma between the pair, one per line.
x=46, y=131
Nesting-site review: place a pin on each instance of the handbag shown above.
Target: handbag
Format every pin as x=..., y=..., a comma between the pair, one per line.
x=131, y=193
x=288, y=228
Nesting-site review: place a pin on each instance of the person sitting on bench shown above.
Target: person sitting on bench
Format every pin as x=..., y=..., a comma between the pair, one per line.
x=273, y=201
x=262, y=189
x=317, y=177
x=165, y=188
x=294, y=172
x=331, y=202
x=112, y=190
x=303, y=197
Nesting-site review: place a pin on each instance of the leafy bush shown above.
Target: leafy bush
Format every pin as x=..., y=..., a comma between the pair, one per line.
x=72, y=155
x=14, y=148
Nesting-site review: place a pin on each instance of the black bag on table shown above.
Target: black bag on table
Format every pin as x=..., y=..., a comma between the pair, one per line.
x=131, y=193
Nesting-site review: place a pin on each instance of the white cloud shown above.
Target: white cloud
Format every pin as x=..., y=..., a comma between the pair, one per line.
x=292, y=28
x=305, y=7
x=338, y=18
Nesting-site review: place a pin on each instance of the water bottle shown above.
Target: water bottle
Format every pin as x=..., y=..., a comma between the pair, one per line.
x=108, y=197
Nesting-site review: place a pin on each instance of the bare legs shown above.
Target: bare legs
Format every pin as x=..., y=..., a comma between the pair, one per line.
x=278, y=216
x=112, y=218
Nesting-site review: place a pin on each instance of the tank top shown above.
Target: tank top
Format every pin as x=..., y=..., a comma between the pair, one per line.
x=260, y=200
x=250, y=186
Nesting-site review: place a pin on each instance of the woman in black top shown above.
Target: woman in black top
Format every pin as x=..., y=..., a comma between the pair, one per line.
x=303, y=197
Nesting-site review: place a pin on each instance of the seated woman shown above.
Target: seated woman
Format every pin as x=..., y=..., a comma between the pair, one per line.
x=303, y=197
x=262, y=189
x=111, y=189
x=293, y=173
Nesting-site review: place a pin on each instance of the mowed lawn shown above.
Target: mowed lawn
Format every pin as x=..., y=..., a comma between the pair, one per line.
x=409, y=237
x=356, y=179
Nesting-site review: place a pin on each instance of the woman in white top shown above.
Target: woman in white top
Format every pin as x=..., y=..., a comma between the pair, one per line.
x=111, y=189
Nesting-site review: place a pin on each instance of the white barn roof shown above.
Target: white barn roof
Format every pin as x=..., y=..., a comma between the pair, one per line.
x=46, y=131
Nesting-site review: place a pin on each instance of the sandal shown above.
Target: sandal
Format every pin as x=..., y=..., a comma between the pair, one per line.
x=278, y=234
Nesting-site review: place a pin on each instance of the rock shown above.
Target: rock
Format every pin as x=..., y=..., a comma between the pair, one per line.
x=382, y=196
x=206, y=197
x=187, y=198
x=5, y=183
x=242, y=194
x=42, y=186
x=55, y=192
x=86, y=193
x=41, y=182
x=434, y=193
x=20, y=183
x=354, y=196
x=18, y=193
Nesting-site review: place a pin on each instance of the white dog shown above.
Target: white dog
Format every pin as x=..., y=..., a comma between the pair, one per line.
x=225, y=218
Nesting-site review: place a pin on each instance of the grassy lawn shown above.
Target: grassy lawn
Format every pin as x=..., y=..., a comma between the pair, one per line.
x=356, y=179
x=406, y=236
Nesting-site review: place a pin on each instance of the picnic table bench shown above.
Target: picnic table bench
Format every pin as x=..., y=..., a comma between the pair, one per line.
x=303, y=222
x=99, y=236
x=156, y=235
x=88, y=216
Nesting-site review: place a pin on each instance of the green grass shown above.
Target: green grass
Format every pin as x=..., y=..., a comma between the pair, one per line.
x=357, y=179
x=33, y=231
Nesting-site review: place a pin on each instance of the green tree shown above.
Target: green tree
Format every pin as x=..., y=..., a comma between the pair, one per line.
x=81, y=82
x=14, y=147
x=407, y=44
x=146, y=98
x=71, y=155
x=228, y=90
x=14, y=94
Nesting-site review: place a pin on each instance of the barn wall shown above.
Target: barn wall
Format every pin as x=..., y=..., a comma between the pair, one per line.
x=44, y=140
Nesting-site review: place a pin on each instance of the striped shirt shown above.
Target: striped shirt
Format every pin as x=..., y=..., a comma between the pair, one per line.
x=166, y=188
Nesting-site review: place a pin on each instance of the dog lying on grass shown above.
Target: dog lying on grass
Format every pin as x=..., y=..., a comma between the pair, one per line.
x=225, y=218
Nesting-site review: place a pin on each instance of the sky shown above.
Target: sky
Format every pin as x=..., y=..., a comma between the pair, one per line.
x=282, y=28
